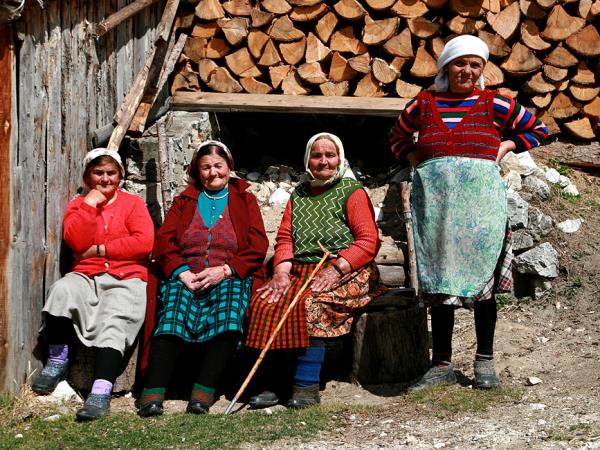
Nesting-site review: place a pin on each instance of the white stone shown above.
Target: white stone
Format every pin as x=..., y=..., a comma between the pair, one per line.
x=541, y=260
x=522, y=163
x=536, y=186
x=269, y=184
x=18, y=436
x=378, y=214
x=537, y=406
x=532, y=381
x=513, y=180
x=570, y=225
x=52, y=418
x=571, y=189
x=564, y=181
x=279, y=197
x=552, y=175
x=517, y=210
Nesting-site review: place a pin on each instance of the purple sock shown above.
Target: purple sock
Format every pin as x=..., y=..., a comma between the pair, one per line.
x=58, y=353
x=102, y=387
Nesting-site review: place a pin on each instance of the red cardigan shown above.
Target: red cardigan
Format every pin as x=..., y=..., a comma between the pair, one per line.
x=251, y=237
x=124, y=227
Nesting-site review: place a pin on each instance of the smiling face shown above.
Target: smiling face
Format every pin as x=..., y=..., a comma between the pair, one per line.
x=213, y=172
x=324, y=159
x=464, y=73
x=105, y=177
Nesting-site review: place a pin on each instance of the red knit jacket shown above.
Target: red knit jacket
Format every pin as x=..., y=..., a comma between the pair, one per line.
x=127, y=235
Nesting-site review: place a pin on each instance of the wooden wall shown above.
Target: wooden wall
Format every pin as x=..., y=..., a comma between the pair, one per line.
x=67, y=84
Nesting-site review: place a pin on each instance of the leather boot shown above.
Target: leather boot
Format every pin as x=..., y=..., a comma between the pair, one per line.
x=304, y=397
x=265, y=399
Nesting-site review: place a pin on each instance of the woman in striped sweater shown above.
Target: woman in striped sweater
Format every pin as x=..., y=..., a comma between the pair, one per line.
x=462, y=242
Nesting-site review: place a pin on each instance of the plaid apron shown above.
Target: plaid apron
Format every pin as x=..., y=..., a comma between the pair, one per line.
x=200, y=317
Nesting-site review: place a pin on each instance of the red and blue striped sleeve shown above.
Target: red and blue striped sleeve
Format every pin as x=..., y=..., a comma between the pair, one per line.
x=521, y=126
x=402, y=133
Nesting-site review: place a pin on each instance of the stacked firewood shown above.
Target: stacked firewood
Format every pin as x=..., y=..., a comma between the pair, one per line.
x=543, y=52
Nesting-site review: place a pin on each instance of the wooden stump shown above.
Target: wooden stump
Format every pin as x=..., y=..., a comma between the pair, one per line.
x=390, y=340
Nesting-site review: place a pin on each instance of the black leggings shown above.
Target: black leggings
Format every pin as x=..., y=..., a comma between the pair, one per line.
x=213, y=357
x=108, y=362
x=442, y=325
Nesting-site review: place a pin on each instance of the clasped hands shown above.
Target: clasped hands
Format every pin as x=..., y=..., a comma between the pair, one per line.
x=211, y=276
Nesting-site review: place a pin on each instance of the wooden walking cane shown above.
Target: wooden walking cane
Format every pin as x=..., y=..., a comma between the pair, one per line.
x=326, y=254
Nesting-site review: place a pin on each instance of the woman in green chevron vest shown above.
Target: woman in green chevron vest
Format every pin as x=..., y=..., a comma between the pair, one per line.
x=331, y=208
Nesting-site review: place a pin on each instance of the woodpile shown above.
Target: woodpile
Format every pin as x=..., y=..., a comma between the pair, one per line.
x=544, y=52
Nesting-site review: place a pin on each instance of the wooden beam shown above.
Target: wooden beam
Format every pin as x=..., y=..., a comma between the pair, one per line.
x=121, y=15
x=216, y=102
x=7, y=126
x=587, y=156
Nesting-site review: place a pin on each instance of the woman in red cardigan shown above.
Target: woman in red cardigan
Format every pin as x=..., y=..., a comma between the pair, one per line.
x=209, y=247
x=103, y=298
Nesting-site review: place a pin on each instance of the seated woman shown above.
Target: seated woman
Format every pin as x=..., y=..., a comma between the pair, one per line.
x=332, y=209
x=211, y=243
x=103, y=298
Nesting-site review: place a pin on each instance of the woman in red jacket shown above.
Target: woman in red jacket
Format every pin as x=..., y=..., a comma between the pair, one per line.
x=211, y=243
x=103, y=298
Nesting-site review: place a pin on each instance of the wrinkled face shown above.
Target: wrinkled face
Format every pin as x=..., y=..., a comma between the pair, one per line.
x=213, y=172
x=464, y=72
x=105, y=178
x=324, y=159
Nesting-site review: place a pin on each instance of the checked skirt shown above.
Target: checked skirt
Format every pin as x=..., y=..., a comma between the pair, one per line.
x=202, y=316
x=328, y=314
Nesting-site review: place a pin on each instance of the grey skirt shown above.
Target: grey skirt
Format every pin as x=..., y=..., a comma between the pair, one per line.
x=106, y=312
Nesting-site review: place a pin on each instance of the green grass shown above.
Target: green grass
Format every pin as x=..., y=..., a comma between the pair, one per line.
x=177, y=431
x=576, y=432
x=503, y=300
x=560, y=167
x=445, y=401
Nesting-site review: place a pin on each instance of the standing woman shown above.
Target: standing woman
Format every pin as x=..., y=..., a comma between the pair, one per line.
x=462, y=242
x=103, y=298
x=211, y=243
x=334, y=209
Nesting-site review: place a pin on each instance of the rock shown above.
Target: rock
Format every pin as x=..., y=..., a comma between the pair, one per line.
x=541, y=287
x=571, y=189
x=532, y=381
x=564, y=181
x=378, y=214
x=52, y=418
x=279, y=197
x=517, y=210
x=269, y=184
x=272, y=173
x=537, y=406
x=537, y=187
x=260, y=191
x=541, y=260
x=513, y=180
x=521, y=240
x=552, y=176
x=540, y=224
x=286, y=186
x=522, y=163
x=285, y=174
x=253, y=176
x=570, y=225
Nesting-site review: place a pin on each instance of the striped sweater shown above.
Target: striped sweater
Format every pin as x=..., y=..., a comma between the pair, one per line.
x=510, y=117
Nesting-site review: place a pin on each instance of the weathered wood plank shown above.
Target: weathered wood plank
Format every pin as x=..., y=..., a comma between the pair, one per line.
x=572, y=155
x=121, y=15
x=215, y=102
x=7, y=142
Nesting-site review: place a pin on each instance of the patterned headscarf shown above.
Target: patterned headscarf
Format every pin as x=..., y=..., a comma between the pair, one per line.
x=192, y=170
x=455, y=48
x=343, y=169
x=96, y=153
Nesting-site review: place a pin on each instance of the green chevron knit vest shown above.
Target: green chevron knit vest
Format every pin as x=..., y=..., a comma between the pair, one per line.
x=321, y=218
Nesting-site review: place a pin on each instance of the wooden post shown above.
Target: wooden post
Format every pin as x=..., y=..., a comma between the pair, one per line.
x=410, y=241
x=121, y=15
x=7, y=125
x=163, y=165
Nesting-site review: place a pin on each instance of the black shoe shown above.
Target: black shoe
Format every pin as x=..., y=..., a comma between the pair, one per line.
x=435, y=375
x=304, y=397
x=196, y=407
x=151, y=409
x=52, y=374
x=485, y=374
x=95, y=406
x=265, y=399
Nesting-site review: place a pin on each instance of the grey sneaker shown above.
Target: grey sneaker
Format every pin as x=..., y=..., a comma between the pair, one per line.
x=265, y=399
x=95, y=406
x=52, y=374
x=435, y=375
x=485, y=374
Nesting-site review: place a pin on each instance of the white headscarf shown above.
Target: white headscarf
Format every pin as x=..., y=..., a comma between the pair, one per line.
x=96, y=153
x=192, y=170
x=455, y=48
x=343, y=169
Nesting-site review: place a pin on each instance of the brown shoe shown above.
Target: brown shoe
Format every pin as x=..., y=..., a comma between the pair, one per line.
x=304, y=397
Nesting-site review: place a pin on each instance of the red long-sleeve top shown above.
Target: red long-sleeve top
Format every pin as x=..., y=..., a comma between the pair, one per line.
x=124, y=227
x=360, y=218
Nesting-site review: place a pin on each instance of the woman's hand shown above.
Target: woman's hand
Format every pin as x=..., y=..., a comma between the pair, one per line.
x=189, y=279
x=91, y=252
x=325, y=279
x=505, y=148
x=276, y=286
x=412, y=159
x=211, y=276
x=95, y=198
